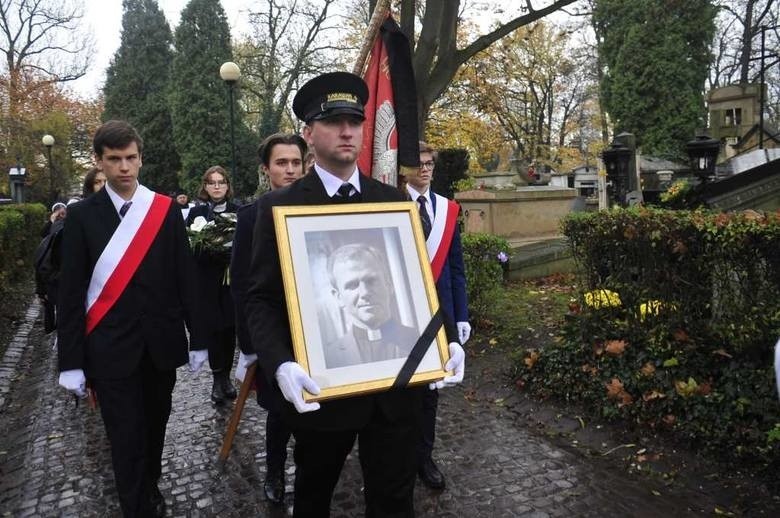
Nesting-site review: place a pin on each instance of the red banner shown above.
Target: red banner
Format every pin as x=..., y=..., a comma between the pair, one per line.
x=390, y=129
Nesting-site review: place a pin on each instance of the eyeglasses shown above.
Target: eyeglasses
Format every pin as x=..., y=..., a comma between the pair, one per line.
x=427, y=165
x=218, y=183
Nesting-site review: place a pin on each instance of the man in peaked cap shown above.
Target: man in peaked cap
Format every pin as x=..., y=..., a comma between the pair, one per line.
x=386, y=423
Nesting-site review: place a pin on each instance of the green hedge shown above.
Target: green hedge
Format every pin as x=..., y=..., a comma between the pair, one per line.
x=485, y=257
x=682, y=338
x=20, y=228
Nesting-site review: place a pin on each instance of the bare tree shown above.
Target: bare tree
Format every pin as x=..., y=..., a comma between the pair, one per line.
x=42, y=39
x=289, y=43
x=737, y=47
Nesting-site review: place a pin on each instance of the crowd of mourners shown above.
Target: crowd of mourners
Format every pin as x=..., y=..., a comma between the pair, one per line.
x=131, y=301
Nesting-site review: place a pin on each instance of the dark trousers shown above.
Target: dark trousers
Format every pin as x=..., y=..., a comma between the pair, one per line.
x=135, y=412
x=222, y=347
x=387, y=458
x=428, y=427
x=277, y=435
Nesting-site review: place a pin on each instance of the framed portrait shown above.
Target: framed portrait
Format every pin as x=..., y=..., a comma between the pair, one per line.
x=360, y=295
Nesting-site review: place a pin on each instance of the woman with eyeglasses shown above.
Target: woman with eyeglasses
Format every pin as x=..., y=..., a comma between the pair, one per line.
x=216, y=303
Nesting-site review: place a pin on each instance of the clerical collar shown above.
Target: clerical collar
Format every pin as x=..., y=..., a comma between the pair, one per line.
x=364, y=333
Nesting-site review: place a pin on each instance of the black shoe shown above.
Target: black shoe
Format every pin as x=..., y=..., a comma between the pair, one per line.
x=430, y=474
x=227, y=387
x=274, y=487
x=217, y=392
x=158, y=502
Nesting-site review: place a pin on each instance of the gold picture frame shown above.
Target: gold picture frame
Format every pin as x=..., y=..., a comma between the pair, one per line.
x=360, y=293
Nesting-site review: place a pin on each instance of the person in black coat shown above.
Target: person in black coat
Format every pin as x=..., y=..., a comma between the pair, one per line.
x=386, y=423
x=214, y=298
x=281, y=160
x=131, y=337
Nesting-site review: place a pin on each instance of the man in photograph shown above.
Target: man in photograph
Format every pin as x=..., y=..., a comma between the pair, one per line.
x=125, y=293
x=386, y=423
x=362, y=287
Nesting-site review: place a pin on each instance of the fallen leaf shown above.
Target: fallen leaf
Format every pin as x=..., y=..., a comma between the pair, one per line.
x=704, y=389
x=614, y=388
x=722, y=352
x=493, y=341
x=653, y=394
x=671, y=362
x=615, y=347
x=625, y=399
x=648, y=369
x=679, y=247
x=531, y=359
x=680, y=335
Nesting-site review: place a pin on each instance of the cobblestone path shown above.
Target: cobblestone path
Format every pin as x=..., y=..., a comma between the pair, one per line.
x=54, y=458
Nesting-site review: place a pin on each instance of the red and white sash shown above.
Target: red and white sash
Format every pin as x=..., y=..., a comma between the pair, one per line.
x=124, y=252
x=442, y=231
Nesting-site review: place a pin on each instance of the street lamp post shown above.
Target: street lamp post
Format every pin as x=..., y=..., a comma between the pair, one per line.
x=703, y=152
x=616, y=161
x=229, y=72
x=48, y=141
x=16, y=177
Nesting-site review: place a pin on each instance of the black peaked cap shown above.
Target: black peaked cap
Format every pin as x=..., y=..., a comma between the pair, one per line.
x=327, y=95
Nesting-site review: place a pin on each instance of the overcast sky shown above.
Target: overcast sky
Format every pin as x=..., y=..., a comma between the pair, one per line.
x=104, y=19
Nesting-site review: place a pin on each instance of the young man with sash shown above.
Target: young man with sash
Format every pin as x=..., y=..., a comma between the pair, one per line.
x=125, y=294
x=385, y=424
x=439, y=218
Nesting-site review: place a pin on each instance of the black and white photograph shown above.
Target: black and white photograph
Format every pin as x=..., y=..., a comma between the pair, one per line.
x=361, y=283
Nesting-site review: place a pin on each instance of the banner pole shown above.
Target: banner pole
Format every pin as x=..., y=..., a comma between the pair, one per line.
x=377, y=18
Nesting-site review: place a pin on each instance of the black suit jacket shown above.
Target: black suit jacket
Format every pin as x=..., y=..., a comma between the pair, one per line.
x=269, y=324
x=213, y=296
x=148, y=316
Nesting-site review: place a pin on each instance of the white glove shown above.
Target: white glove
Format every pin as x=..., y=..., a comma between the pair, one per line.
x=292, y=380
x=457, y=364
x=74, y=381
x=464, y=332
x=777, y=366
x=197, y=358
x=244, y=361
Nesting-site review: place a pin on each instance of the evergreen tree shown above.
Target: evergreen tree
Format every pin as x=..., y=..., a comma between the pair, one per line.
x=657, y=57
x=199, y=99
x=137, y=89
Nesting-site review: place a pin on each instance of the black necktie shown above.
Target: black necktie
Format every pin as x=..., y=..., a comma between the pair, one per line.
x=125, y=208
x=343, y=193
x=426, y=221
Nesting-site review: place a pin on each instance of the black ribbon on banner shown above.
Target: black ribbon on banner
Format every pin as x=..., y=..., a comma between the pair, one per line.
x=418, y=351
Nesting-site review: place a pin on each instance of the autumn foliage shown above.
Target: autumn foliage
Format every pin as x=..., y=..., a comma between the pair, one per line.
x=674, y=328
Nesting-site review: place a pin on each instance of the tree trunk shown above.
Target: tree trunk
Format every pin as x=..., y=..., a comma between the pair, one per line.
x=437, y=59
x=747, y=43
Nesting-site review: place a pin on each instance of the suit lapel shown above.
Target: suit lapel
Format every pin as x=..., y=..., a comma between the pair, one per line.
x=313, y=190
x=107, y=217
x=368, y=189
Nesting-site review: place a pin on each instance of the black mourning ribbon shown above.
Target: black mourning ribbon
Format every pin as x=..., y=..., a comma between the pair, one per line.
x=418, y=351
x=426, y=221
